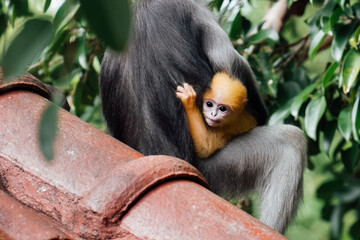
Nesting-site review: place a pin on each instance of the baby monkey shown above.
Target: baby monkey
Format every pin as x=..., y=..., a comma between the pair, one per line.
x=224, y=112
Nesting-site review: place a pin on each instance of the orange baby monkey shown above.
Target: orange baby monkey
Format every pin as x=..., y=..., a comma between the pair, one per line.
x=224, y=111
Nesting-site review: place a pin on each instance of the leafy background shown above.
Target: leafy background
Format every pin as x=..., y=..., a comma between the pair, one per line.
x=305, y=55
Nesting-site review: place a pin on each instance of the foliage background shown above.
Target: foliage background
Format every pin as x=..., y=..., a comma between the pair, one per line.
x=305, y=55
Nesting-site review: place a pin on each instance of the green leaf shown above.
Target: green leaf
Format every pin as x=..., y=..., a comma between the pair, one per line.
x=356, y=9
x=350, y=157
x=316, y=43
x=264, y=34
x=236, y=27
x=268, y=73
x=21, y=7
x=81, y=52
x=336, y=221
x=335, y=17
x=47, y=130
x=317, y=3
x=350, y=70
x=3, y=23
x=328, y=9
x=344, y=123
x=342, y=33
x=35, y=36
x=96, y=65
x=313, y=113
x=355, y=38
x=356, y=117
x=279, y=115
x=65, y=14
x=300, y=98
x=47, y=5
x=290, y=2
x=216, y=4
x=341, y=3
x=110, y=20
x=329, y=73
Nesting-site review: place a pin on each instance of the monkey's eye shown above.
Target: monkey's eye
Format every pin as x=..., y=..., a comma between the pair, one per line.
x=223, y=108
x=209, y=104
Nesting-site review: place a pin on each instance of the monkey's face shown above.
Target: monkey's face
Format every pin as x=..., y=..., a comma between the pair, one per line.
x=215, y=113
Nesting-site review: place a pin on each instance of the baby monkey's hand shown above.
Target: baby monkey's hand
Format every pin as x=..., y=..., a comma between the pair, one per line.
x=187, y=95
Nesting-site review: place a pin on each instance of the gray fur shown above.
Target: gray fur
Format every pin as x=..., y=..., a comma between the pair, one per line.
x=173, y=42
x=269, y=159
x=177, y=41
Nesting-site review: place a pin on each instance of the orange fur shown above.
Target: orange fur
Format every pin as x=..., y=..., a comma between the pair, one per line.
x=227, y=91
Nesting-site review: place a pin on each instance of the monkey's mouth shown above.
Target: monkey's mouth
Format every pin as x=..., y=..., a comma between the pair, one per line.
x=212, y=122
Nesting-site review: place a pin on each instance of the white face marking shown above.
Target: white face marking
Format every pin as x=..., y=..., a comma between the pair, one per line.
x=214, y=113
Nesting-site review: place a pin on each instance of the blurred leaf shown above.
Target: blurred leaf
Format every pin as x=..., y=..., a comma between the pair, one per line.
x=27, y=45
x=350, y=157
x=47, y=5
x=81, y=52
x=349, y=193
x=69, y=52
x=47, y=131
x=60, y=38
x=268, y=73
x=354, y=230
x=335, y=16
x=285, y=90
x=86, y=91
x=216, y=4
x=329, y=74
x=344, y=123
x=300, y=98
x=290, y=2
x=263, y=34
x=336, y=221
x=335, y=144
x=240, y=26
x=279, y=115
x=3, y=22
x=341, y=3
x=236, y=27
x=327, y=137
x=342, y=33
x=313, y=113
x=356, y=117
x=356, y=9
x=96, y=65
x=328, y=9
x=327, y=189
x=350, y=70
x=110, y=20
x=65, y=14
x=355, y=38
x=21, y=7
x=316, y=43
x=317, y=2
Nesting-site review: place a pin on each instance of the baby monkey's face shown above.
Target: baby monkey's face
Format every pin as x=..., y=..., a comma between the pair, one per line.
x=215, y=113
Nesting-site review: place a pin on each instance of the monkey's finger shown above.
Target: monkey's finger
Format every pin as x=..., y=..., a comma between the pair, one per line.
x=180, y=89
x=186, y=86
x=192, y=90
x=181, y=96
x=189, y=89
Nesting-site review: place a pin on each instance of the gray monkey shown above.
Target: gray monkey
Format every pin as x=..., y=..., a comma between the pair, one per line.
x=178, y=41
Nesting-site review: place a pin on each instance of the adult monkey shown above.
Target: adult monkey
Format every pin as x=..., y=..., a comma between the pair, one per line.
x=174, y=42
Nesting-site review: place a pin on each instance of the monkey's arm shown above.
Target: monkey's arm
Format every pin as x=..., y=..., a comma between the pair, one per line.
x=205, y=141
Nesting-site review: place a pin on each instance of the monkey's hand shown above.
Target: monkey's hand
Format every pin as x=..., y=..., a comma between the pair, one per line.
x=187, y=95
